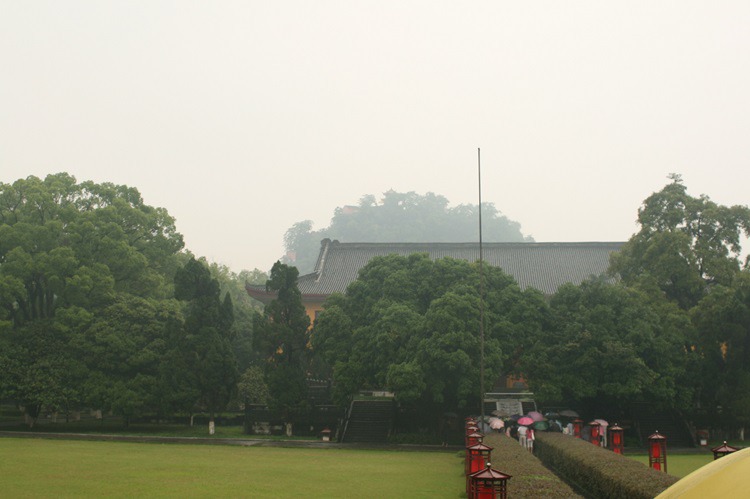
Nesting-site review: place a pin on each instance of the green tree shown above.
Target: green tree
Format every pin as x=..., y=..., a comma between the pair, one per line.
x=411, y=325
x=723, y=342
x=252, y=386
x=685, y=244
x=207, y=343
x=245, y=309
x=68, y=251
x=38, y=371
x=282, y=337
x=611, y=346
x=125, y=347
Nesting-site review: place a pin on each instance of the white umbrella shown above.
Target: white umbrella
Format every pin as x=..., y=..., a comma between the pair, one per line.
x=497, y=424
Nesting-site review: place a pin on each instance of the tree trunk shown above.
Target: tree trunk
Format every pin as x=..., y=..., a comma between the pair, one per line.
x=31, y=413
x=211, y=426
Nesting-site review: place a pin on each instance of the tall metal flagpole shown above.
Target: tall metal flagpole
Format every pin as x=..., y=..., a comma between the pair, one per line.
x=481, y=294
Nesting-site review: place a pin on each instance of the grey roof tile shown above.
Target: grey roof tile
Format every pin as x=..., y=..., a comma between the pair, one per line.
x=544, y=266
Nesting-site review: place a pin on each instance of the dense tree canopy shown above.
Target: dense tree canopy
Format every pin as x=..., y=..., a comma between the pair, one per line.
x=685, y=244
x=400, y=217
x=722, y=319
x=411, y=325
x=88, y=316
x=101, y=308
x=71, y=256
x=688, y=252
x=610, y=346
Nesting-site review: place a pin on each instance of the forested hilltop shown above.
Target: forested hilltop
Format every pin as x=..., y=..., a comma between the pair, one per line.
x=101, y=306
x=400, y=217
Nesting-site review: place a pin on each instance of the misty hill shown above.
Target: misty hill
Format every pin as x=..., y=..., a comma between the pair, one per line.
x=400, y=217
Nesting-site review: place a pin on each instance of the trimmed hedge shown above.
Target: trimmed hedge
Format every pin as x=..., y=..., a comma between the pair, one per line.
x=600, y=472
x=529, y=476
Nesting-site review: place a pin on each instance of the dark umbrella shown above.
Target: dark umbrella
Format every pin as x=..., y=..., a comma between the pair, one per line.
x=568, y=413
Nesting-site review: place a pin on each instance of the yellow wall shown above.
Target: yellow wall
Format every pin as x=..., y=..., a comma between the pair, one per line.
x=311, y=308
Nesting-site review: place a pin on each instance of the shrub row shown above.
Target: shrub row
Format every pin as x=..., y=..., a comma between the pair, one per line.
x=529, y=476
x=597, y=471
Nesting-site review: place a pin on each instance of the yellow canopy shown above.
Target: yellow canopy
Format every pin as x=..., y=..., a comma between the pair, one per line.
x=728, y=476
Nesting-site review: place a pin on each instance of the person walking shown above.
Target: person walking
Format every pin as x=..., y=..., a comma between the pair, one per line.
x=530, y=440
x=522, y=432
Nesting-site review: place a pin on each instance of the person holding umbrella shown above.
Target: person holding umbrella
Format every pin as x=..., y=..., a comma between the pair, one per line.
x=522, y=431
x=523, y=423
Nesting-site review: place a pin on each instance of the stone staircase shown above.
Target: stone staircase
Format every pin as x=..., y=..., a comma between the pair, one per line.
x=369, y=421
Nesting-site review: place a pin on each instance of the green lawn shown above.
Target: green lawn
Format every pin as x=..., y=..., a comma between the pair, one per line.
x=52, y=468
x=679, y=465
x=162, y=430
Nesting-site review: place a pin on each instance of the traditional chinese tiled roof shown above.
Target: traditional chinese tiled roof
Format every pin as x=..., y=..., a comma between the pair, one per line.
x=544, y=266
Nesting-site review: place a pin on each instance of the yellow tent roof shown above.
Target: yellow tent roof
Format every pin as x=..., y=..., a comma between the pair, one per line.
x=728, y=476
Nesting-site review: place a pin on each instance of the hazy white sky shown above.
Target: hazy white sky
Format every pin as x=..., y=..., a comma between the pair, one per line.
x=244, y=117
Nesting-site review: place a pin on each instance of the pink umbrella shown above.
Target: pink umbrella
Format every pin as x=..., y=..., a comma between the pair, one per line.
x=525, y=421
x=536, y=416
x=497, y=424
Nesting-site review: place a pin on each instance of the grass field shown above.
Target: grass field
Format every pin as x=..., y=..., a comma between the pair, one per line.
x=162, y=430
x=52, y=468
x=679, y=465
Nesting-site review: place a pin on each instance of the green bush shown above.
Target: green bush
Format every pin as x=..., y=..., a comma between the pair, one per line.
x=529, y=476
x=598, y=471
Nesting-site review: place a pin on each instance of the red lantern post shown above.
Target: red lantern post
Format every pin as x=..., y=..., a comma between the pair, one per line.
x=577, y=427
x=657, y=452
x=488, y=484
x=472, y=428
x=474, y=438
x=723, y=450
x=595, y=436
x=616, y=438
x=476, y=457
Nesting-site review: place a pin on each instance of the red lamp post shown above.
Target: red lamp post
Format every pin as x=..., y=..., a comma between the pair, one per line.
x=577, y=427
x=488, y=484
x=657, y=452
x=723, y=450
x=595, y=436
x=470, y=428
x=476, y=457
x=474, y=438
x=616, y=435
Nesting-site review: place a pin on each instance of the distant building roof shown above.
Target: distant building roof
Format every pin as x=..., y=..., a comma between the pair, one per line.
x=544, y=266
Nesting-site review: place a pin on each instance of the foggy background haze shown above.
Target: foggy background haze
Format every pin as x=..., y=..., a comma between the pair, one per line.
x=244, y=117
